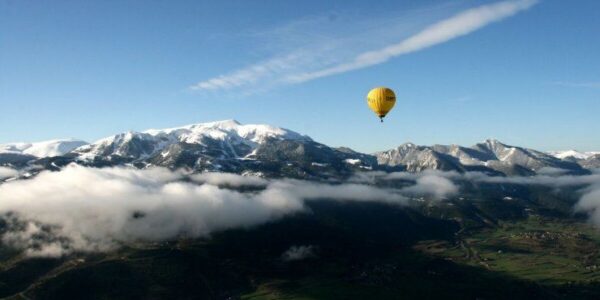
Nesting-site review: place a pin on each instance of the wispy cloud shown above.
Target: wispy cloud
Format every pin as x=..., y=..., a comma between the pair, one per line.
x=593, y=85
x=340, y=55
x=443, y=31
x=251, y=75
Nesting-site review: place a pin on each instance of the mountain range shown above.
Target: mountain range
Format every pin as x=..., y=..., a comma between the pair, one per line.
x=229, y=146
x=393, y=238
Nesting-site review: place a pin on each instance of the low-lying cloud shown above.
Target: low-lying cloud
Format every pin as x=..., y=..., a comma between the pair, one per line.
x=80, y=209
x=436, y=186
x=90, y=209
x=295, y=253
x=590, y=202
x=441, y=184
x=229, y=179
x=7, y=173
x=550, y=177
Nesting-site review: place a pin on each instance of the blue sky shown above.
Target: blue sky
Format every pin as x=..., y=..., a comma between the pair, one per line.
x=525, y=72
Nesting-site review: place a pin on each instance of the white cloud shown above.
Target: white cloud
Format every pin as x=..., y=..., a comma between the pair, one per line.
x=550, y=177
x=342, y=54
x=590, y=204
x=437, y=186
x=443, y=31
x=229, y=179
x=296, y=253
x=90, y=209
x=95, y=209
x=7, y=173
x=346, y=192
x=432, y=183
x=251, y=75
x=440, y=184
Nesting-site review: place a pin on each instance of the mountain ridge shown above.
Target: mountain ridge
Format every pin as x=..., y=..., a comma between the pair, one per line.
x=230, y=146
x=47, y=148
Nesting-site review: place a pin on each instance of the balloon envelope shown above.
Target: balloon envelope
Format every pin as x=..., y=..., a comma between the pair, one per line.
x=381, y=100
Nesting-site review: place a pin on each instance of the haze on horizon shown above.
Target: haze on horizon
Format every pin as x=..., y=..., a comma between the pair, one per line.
x=522, y=71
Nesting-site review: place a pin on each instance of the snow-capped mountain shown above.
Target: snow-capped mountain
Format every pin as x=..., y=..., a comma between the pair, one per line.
x=572, y=154
x=224, y=145
x=416, y=158
x=491, y=155
x=528, y=158
x=42, y=149
x=592, y=162
x=21, y=154
x=234, y=140
x=233, y=147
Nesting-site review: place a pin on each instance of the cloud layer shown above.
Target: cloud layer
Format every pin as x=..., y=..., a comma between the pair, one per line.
x=7, y=173
x=89, y=209
x=441, y=184
x=590, y=201
x=80, y=209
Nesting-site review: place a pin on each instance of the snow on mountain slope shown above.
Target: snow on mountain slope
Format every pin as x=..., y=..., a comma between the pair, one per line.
x=231, y=146
x=415, y=158
x=466, y=156
x=592, y=162
x=234, y=138
x=528, y=158
x=228, y=129
x=572, y=153
x=42, y=149
x=490, y=154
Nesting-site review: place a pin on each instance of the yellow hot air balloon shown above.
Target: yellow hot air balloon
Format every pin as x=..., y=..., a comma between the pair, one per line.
x=381, y=100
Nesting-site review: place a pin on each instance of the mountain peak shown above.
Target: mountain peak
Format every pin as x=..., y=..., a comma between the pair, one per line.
x=230, y=121
x=407, y=145
x=493, y=142
x=233, y=138
x=229, y=129
x=221, y=123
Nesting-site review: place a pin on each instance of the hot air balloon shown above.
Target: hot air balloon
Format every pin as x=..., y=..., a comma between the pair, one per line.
x=381, y=100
